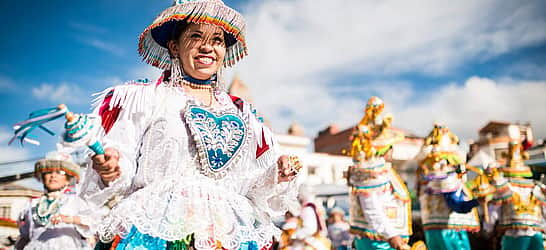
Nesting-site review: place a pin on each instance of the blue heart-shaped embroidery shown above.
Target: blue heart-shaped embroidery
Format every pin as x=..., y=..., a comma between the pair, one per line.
x=219, y=137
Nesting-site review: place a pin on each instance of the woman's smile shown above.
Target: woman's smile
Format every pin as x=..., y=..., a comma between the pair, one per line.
x=204, y=60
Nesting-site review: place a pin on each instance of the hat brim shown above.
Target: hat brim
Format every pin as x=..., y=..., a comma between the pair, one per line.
x=49, y=165
x=163, y=34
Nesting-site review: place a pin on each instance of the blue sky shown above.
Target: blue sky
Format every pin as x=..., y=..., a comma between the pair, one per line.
x=462, y=63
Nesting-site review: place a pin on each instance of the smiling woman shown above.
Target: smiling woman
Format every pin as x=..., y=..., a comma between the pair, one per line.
x=186, y=164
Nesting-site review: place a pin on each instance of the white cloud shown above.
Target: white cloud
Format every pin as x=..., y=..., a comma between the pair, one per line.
x=466, y=108
x=300, y=48
x=301, y=37
x=103, y=45
x=61, y=93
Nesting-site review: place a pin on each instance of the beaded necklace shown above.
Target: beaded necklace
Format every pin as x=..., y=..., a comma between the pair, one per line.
x=47, y=207
x=200, y=85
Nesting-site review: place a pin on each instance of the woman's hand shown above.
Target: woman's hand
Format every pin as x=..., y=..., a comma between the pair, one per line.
x=107, y=165
x=59, y=218
x=288, y=167
x=397, y=243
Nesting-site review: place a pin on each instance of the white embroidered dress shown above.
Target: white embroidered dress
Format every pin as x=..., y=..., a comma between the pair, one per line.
x=189, y=169
x=40, y=234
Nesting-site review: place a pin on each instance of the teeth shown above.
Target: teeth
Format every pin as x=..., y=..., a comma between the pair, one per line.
x=205, y=60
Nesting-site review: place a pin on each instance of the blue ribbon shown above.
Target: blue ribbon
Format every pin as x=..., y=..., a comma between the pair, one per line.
x=36, y=120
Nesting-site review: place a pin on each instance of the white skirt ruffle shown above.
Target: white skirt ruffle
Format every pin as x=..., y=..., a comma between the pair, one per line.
x=173, y=209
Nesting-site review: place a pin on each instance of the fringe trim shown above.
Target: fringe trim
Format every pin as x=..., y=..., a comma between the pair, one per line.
x=132, y=97
x=258, y=127
x=267, y=159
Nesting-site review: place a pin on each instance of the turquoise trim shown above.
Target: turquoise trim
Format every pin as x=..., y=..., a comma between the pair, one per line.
x=136, y=240
x=97, y=148
x=70, y=127
x=70, y=139
x=447, y=239
x=72, y=124
x=534, y=242
x=369, y=244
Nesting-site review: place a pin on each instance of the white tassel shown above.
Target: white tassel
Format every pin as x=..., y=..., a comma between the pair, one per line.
x=132, y=98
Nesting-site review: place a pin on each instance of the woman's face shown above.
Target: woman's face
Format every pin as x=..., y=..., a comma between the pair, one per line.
x=55, y=180
x=201, y=49
x=337, y=217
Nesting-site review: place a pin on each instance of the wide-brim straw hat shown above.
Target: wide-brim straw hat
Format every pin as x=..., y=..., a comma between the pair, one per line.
x=153, y=41
x=57, y=161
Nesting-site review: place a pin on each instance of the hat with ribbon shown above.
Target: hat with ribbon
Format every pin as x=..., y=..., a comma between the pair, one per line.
x=153, y=41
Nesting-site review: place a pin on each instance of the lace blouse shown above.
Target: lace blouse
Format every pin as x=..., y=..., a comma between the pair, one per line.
x=187, y=168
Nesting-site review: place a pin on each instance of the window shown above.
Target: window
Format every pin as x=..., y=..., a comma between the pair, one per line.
x=5, y=210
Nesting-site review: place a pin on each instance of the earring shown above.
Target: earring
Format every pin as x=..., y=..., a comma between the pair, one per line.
x=176, y=71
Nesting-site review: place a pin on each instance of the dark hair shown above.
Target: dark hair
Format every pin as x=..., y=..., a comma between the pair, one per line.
x=175, y=29
x=179, y=27
x=169, y=31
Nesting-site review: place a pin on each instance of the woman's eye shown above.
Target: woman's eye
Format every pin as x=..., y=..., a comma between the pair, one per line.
x=195, y=36
x=218, y=40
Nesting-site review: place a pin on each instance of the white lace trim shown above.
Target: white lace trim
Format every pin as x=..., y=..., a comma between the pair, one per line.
x=175, y=208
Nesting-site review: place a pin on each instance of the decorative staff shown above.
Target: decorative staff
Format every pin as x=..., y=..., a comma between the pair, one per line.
x=80, y=129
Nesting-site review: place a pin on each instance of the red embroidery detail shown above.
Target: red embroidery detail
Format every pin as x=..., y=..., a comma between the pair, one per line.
x=109, y=117
x=268, y=246
x=238, y=102
x=159, y=81
x=261, y=150
x=166, y=75
x=115, y=243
